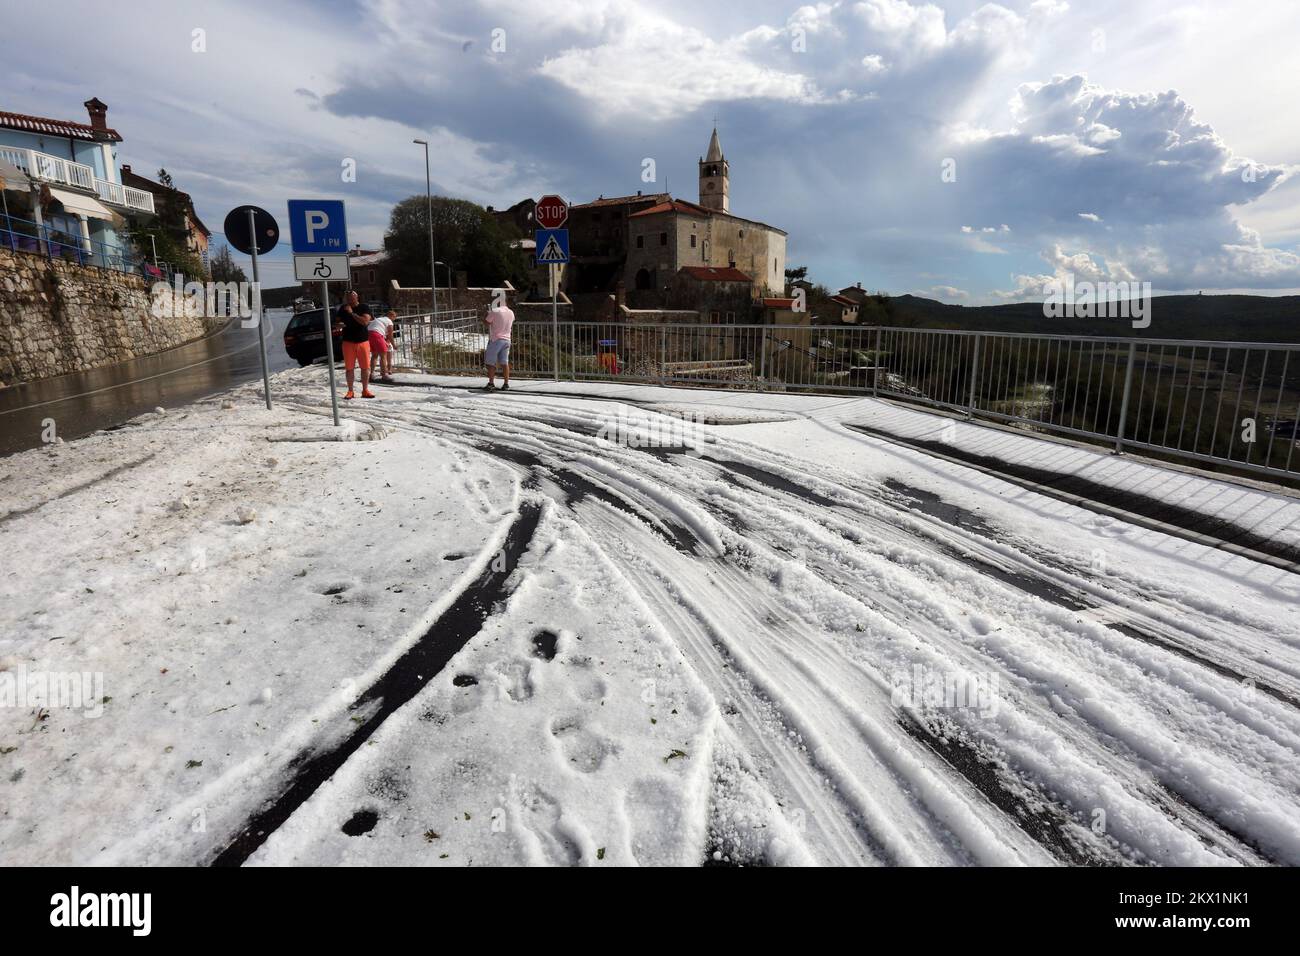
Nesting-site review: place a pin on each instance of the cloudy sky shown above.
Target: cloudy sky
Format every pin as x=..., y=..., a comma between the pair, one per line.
x=961, y=150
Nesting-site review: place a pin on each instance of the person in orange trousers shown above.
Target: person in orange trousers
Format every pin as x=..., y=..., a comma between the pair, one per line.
x=356, y=342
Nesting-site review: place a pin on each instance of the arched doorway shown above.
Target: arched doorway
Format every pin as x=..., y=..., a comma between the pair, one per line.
x=643, y=279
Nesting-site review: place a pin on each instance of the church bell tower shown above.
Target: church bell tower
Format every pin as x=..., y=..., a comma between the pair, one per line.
x=715, y=177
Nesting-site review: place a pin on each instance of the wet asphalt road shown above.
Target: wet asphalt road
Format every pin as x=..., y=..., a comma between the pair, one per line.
x=88, y=401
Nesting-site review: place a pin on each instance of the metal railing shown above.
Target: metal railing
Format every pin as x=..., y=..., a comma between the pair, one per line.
x=53, y=169
x=420, y=332
x=23, y=235
x=1234, y=404
x=140, y=199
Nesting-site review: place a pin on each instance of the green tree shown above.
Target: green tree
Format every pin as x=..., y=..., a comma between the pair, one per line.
x=464, y=234
x=824, y=311
x=169, y=231
x=225, y=269
x=147, y=238
x=875, y=310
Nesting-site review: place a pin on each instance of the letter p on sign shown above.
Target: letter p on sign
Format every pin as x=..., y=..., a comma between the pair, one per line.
x=316, y=221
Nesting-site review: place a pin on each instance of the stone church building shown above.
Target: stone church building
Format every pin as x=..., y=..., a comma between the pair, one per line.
x=658, y=247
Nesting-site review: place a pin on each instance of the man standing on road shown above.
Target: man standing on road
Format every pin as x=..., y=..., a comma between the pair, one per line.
x=499, y=320
x=356, y=342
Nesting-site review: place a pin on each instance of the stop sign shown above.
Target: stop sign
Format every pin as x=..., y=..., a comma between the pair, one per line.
x=551, y=212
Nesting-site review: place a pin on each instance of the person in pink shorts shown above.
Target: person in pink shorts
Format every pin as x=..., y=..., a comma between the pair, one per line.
x=380, y=330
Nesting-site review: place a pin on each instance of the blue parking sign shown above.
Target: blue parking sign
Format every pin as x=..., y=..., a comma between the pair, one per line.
x=318, y=227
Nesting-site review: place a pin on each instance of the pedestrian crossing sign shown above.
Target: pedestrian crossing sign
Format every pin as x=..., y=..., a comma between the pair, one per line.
x=552, y=246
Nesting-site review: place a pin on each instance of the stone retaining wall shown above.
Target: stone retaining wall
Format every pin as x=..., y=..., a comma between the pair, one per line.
x=58, y=317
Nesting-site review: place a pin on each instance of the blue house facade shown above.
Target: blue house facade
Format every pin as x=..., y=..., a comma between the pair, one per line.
x=68, y=181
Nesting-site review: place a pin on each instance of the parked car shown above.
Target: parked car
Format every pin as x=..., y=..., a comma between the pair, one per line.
x=302, y=304
x=304, y=337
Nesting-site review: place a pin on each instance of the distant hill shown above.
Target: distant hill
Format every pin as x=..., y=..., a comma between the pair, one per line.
x=1244, y=318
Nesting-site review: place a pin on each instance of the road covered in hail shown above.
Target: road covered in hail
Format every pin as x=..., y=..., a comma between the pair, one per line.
x=603, y=625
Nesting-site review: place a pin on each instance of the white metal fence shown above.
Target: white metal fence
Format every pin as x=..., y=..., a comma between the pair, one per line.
x=1233, y=403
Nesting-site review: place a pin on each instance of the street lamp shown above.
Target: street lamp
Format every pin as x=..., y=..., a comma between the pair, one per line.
x=428, y=197
x=450, y=302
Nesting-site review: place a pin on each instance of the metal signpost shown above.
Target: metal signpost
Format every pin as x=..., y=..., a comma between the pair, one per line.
x=319, y=232
x=552, y=212
x=252, y=230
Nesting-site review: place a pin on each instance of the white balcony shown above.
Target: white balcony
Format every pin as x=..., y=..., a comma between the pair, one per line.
x=138, y=199
x=52, y=169
x=126, y=196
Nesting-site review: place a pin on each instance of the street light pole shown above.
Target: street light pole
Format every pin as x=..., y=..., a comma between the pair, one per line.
x=450, y=283
x=428, y=198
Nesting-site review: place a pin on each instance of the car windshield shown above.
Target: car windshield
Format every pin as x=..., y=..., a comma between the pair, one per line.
x=304, y=319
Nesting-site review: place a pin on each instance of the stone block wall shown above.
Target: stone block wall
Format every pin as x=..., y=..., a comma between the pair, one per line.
x=58, y=317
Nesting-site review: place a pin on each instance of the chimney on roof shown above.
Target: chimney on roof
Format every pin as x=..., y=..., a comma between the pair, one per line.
x=126, y=167
x=98, y=111
x=638, y=192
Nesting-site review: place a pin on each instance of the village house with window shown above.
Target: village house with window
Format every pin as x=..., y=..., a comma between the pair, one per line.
x=844, y=310
x=660, y=250
x=63, y=193
x=371, y=275
x=673, y=234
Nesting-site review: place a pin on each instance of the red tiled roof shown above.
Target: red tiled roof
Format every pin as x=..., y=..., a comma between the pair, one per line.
x=714, y=274
x=778, y=303
x=673, y=205
x=843, y=300
x=55, y=127
x=623, y=200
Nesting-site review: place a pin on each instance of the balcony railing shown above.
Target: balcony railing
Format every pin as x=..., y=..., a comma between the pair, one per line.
x=110, y=192
x=22, y=235
x=52, y=169
x=138, y=198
